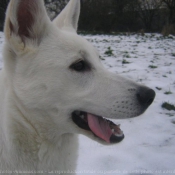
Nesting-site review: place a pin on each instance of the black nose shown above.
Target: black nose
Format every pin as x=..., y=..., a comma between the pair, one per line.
x=146, y=96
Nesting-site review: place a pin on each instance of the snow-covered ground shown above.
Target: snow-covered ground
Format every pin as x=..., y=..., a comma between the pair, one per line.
x=1, y=46
x=149, y=144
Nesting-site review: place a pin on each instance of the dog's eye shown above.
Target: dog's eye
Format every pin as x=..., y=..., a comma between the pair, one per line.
x=80, y=66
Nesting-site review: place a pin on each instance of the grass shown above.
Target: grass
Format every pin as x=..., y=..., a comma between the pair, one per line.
x=127, y=56
x=173, y=54
x=158, y=88
x=170, y=37
x=126, y=52
x=152, y=66
x=168, y=106
x=105, y=40
x=169, y=114
x=109, y=52
x=125, y=61
x=102, y=58
x=168, y=92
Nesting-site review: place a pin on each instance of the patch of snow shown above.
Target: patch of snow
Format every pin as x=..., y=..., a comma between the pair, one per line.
x=149, y=144
x=1, y=46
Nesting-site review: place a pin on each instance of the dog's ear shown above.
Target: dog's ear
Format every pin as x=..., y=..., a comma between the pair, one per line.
x=68, y=18
x=26, y=23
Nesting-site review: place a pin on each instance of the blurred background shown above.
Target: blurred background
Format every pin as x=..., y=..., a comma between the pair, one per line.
x=113, y=16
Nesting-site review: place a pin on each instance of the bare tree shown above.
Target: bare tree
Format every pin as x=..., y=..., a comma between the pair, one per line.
x=97, y=10
x=147, y=10
x=3, y=7
x=125, y=14
x=170, y=4
x=108, y=15
x=54, y=7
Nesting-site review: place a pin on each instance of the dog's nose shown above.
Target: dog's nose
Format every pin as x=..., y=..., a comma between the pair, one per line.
x=146, y=96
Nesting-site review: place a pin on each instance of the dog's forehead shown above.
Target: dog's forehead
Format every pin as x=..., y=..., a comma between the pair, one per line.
x=76, y=45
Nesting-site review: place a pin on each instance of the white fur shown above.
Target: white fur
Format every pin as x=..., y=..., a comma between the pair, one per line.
x=38, y=92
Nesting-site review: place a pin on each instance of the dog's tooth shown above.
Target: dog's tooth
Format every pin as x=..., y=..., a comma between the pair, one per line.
x=119, y=134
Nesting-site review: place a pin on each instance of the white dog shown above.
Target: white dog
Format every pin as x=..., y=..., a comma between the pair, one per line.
x=53, y=87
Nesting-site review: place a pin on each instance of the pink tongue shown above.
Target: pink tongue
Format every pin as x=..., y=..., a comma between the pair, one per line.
x=100, y=127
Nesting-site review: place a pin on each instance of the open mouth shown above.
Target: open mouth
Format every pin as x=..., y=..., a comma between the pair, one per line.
x=99, y=126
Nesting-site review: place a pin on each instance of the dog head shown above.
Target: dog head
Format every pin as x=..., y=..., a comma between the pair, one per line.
x=57, y=78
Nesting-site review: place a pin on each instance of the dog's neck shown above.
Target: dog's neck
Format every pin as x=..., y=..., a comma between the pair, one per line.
x=27, y=142
x=31, y=121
